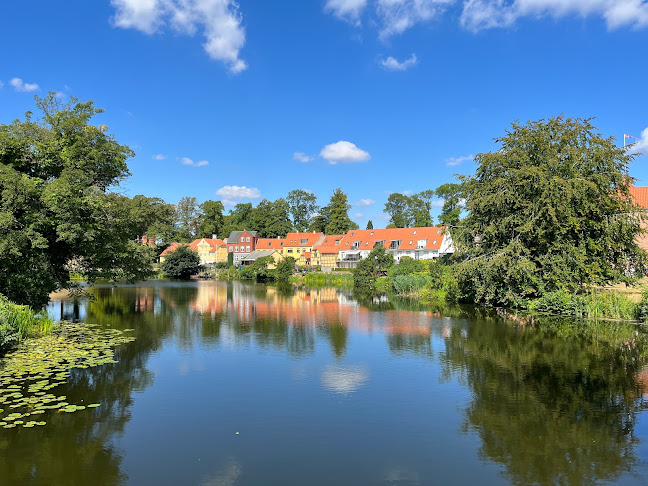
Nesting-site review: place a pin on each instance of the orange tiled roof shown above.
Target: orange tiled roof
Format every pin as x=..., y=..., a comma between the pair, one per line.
x=408, y=236
x=270, y=244
x=170, y=248
x=215, y=243
x=328, y=245
x=641, y=195
x=293, y=239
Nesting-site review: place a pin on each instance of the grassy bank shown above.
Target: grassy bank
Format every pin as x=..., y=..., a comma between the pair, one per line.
x=18, y=322
x=314, y=279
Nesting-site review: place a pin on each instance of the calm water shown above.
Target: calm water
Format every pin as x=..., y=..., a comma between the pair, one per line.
x=234, y=384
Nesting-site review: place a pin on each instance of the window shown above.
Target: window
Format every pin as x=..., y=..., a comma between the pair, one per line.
x=411, y=242
x=289, y=250
x=298, y=250
x=303, y=241
x=356, y=244
x=269, y=243
x=247, y=239
x=351, y=235
x=414, y=231
x=347, y=244
x=242, y=239
x=434, y=242
x=281, y=243
x=438, y=232
x=420, y=244
x=247, y=248
x=367, y=243
x=236, y=248
x=371, y=234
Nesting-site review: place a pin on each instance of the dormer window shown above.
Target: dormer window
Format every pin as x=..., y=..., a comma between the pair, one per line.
x=303, y=241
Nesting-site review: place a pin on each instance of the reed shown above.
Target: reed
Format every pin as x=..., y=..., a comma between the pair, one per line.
x=18, y=322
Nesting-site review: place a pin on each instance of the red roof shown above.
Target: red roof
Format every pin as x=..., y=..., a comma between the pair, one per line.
x=294, y=239
x=328, y=244
x=215, y=243
x=170, y=248
x=270, y=243
x=408, y=237
x=641, y=195
x=306, y=254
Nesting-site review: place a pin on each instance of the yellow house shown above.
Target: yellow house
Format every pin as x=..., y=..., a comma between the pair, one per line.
x=210, y=250
x=256, y=254
x=325, y=253
x=300, y=246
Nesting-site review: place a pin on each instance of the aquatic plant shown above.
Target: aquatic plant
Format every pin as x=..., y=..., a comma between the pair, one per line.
x=18, y=322
x=39, y=365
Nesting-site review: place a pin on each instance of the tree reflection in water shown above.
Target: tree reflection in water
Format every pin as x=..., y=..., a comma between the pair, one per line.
x=554, y=404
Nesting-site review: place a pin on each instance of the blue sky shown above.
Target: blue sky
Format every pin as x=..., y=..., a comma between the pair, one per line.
x=249, y=100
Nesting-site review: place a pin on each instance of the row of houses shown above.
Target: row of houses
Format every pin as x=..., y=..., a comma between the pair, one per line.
x=326, y=251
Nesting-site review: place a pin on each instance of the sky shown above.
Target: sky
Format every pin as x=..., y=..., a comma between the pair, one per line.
x=240, y=101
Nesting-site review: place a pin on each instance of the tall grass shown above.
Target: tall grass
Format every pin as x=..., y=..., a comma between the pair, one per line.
x=606, y=305
x=19, y=321
x=316, y=279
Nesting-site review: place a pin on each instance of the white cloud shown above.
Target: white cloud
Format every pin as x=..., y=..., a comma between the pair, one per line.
x=220, y=21
x=358, y=215
x=19, y=85
x=231, y=194
x=396, y=16
x=302, y=157
x=343, y=151
x=365, y=203
x=347, y=10
x=393, y=64
x=485, y=14
x=437, y=204
x=641, y=146
x=188, y=161
x=454, y=161
x=159, y=157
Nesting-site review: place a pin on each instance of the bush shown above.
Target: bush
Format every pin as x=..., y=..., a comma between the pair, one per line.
x=18, y=322
x=408, y=266
x=285, y=269
x=181, y=263
x=412, y=285
x=609, y=305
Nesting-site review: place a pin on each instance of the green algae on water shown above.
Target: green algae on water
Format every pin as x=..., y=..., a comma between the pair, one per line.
x=39, y=365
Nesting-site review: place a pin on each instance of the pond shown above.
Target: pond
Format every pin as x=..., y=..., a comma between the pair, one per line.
x=240, y=384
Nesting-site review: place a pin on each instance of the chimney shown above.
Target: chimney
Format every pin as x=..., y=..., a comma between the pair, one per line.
x=213, y=236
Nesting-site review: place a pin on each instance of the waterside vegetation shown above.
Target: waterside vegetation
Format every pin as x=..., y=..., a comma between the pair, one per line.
x=18, y=322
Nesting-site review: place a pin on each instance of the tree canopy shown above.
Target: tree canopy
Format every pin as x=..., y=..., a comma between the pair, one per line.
x=56, y=211
x=550, y=210
x=181, y=263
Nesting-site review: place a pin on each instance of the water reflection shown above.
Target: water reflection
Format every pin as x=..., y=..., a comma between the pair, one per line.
x=556, y=402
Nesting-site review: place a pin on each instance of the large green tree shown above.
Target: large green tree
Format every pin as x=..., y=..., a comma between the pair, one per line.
x=551, y=209
x=181, y=263
x=303, y=205
x=450, y=215
x=338, y=214
x=398, y=209
x=188, y=217
x=56, y=211
x=211, y=220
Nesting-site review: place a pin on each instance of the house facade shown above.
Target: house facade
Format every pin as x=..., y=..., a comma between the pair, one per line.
x=640, y=195
x=210, y=250
x=418, y=243
x=300, y=246
x=325, y=254
x=241, y=244
x=255, y=255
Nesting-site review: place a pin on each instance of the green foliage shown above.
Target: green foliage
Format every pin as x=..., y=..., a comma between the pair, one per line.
x=302, y=207
x=397, y=207
x=285, y=269
x=410, y=211
x=377, y=264
x=18, y=322
x=258, y=270
x=181, y=263
x=188, y=218
x=230, y=260
x=411, y=285
x=608, y=305
x=56, y=214
x=271, y=219
x=316, y=279
x=408, y=266
x=551, y=210
x=211, y=220
x=338, y=214
x=452, y=204
x=642, y=307
x=370, y=225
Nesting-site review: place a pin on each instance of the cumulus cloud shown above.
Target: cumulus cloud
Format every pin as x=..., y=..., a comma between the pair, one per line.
x=454, y=161
x=365, y=203
x=343, y=151
x=19, y=85
x=347, y=10
x=393, y=64
x=485, y=14
x=219, y=20
x=159, y=157
x=641, y=145
x=437, y=204
x=231, y=194
x=358, y=215
x=396, y=16
x=302, y=157
x=188, y=161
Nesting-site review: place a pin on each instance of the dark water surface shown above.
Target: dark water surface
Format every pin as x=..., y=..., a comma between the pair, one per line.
x=234, y=384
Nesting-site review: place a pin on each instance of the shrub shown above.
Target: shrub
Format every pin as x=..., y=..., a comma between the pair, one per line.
x=411, y=285
x=181, y=263
x=408, y=266
x=285, y=269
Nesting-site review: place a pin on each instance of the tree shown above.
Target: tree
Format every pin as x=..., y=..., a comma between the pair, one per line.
x=55, y=206
x=149, y=216
x=452, y=204
x=271, y=219
x=370, y=225
x=181, y=263
x=285, y=269
x=550, y=210
x=398, y=209
x=188, y=216
x=338, y=214
x=211, y=221
x=303, y=205
x=419, y=209
x=377, y=263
